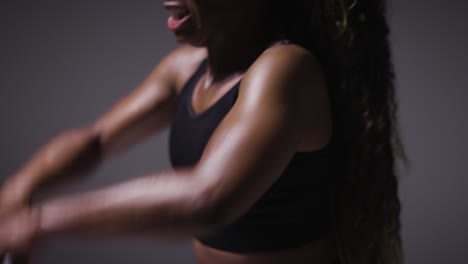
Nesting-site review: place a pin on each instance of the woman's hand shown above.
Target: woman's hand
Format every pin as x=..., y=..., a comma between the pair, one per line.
x=18, y=230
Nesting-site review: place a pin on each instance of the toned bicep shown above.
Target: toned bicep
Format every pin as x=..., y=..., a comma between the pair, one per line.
x=256, y=140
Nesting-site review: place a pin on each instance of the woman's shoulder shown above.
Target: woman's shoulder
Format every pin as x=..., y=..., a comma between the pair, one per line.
x=292, y=77
x=287, y=54
x=183, y=62
x=289, y=64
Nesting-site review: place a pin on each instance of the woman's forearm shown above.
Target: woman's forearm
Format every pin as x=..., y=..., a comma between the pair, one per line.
x=170, y=203
x=73, y=153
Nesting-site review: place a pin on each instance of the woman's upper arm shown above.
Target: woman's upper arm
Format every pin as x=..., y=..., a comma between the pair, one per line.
x=149, y=107
x=258, y=137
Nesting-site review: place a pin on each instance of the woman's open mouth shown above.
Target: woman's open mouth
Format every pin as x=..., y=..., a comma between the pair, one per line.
x=179, y=15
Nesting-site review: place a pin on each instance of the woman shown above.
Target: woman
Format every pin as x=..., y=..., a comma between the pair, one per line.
x=282, y=141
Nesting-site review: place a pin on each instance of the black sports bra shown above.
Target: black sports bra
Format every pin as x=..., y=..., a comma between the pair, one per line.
x=293, y=212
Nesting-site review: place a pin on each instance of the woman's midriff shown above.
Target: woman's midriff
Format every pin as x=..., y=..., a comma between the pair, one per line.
x=322, y=251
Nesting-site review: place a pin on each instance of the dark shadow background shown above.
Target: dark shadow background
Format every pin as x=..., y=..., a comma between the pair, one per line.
x=63, y=63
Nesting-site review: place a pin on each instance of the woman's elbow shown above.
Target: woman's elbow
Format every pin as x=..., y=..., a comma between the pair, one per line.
x=212, y=213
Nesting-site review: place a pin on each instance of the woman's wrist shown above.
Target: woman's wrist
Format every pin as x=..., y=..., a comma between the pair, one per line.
x=14, y=194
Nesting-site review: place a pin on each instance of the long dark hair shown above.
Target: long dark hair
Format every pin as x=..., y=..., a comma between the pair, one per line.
x=350, y=38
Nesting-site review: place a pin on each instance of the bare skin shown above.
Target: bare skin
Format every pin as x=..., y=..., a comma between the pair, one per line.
x=282, y=104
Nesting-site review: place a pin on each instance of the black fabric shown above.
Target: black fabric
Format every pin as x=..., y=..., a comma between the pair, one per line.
x=293, y=212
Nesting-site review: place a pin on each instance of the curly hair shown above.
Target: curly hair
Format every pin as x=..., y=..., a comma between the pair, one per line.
x=350, y=39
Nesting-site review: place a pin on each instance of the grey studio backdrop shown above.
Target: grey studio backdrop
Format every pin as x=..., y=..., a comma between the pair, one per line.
x=63, y=63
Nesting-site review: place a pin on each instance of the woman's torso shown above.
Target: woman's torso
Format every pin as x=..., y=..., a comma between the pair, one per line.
x=321, y=248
